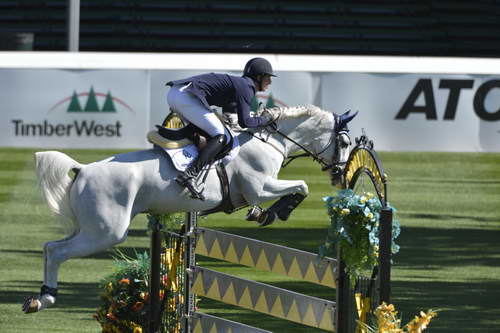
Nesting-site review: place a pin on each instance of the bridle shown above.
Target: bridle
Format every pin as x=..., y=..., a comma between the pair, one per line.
x=334, y=166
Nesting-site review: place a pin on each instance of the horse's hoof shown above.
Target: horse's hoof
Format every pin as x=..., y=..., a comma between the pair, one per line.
x=31, y=305
x=254, y=213
x=267, y=218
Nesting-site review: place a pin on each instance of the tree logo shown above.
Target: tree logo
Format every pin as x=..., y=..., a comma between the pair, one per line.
x=78, y=103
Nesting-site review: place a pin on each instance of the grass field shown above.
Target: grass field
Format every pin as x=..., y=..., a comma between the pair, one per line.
x=448, y=205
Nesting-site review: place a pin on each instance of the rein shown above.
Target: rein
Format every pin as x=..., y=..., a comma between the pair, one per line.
x=273, y=128
x=315, y=156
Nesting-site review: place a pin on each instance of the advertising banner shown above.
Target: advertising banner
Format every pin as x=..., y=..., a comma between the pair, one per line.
x=74, y=108
x=52, y=108
x=418, y=112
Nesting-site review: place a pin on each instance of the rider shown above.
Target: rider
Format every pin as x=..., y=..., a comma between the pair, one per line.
x=191, y=99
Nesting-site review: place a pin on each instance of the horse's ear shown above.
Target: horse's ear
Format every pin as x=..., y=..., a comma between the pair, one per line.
x=344, y=119
x=347, y=116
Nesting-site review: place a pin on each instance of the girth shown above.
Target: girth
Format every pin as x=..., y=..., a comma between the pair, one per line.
x=226, y=205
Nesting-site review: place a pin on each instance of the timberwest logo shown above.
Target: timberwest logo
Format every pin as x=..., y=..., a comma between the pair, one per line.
x=89, y=104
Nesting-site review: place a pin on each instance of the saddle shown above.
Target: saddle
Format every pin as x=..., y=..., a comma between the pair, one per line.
x=174, y=134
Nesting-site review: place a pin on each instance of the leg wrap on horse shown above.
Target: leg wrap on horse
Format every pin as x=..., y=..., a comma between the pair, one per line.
x=48, y=290
x=281, y=209
x=206, y=156
x=263, y=217
x=285, y=205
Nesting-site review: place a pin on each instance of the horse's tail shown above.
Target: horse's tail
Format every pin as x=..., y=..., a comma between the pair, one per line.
x=52, y=170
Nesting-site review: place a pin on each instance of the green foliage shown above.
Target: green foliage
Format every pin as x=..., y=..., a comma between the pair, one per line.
x=168, y=222
x=124, y=306
x=354, y=229
x=125, y=300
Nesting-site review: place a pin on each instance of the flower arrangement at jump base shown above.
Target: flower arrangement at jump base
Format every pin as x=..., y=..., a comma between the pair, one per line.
x=125, y=298
x=386, y=321
x=354, y=228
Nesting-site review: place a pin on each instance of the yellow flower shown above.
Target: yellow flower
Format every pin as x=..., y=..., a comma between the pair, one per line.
x=419, y=324
x=109, y=287
x=362, y=199
x=370, y=215
x=136, y=328
x=369, y=195
x=345, y=211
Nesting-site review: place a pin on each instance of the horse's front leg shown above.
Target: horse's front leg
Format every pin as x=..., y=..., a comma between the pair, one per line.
x=291, y=194
x=276, y=188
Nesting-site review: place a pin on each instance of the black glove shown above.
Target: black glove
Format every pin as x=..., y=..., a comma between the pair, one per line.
x=267, y=117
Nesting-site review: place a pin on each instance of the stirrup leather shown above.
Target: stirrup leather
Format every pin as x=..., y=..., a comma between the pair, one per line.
x=189, y=183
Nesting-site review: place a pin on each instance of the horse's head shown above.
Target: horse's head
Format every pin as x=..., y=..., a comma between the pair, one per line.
x=321, y=134
x=342, y=143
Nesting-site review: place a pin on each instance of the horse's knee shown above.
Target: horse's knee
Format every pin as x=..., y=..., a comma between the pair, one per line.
x=116, y=238
x=304, y=189
x=53, y=253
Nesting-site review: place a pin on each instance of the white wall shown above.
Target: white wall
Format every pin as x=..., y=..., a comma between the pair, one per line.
x=405, y=104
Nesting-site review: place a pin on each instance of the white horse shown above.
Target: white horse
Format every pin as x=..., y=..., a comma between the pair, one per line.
x=105, y=196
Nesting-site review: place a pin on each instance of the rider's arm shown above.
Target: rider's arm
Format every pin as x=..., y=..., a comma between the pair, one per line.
x=244, y=97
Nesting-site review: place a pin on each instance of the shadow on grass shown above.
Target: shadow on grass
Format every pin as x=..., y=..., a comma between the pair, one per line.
x=463, y=307
x=74, y=297
x=470, y=305
x=450, y=181
x=422, y=248
x=448, y=217
x=104, y=255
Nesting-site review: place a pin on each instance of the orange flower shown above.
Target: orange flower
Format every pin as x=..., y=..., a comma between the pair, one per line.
x=137, y=306
x=111, y=316
x=125, y=281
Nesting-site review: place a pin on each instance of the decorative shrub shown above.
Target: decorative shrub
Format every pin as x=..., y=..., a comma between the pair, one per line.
x=125, y=304
x=354, y=228
x=125, y=298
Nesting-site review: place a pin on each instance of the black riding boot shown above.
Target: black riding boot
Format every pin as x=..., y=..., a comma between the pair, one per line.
x=206, y=156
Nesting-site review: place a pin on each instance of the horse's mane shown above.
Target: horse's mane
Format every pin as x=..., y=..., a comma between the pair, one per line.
x=299, y=111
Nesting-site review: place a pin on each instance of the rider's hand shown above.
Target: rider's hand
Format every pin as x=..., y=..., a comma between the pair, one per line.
x=267, y=117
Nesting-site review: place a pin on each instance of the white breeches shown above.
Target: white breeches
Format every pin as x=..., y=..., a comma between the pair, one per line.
x=192, y=110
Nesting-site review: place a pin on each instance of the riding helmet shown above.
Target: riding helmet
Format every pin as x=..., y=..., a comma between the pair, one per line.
x=258, y=66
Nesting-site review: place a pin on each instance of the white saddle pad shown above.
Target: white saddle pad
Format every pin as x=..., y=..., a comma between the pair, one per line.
x=182, y=157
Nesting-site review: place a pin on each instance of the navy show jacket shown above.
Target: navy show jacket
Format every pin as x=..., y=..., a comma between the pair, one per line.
x=226, y=91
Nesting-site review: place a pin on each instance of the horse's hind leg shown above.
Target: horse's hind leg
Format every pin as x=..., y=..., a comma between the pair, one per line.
x=55, y=253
